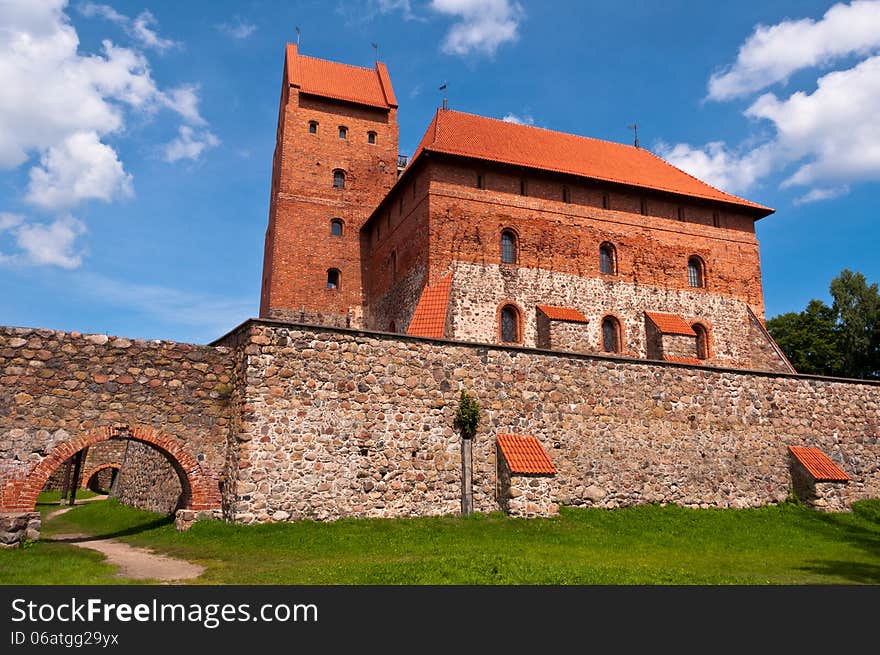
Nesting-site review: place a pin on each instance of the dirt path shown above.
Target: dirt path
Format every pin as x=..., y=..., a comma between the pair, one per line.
x=134, y=563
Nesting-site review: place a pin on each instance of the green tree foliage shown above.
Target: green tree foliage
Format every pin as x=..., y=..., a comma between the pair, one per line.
x=841, y=340
x=467, y=415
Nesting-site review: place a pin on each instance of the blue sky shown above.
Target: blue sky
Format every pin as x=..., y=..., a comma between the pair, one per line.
x=136, y=136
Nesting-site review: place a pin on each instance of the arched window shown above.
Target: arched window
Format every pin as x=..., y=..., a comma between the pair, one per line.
x=343, y=132
x=610, y=335
x=371, y=137
x=313, y=127
x=332, y=278
x=510, y=324
x=702, y=340
x=508, y=247
x=696, y=272
x=607, y=259
x=336, y=227
x=339, y=179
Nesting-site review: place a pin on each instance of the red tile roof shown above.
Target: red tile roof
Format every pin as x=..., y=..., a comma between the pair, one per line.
x=429, y=319
x=563, y=314
x=670, y=324
x=818, y=464
x=330, y=79
x=524, y=454
x=467, y=135
x=684, y=360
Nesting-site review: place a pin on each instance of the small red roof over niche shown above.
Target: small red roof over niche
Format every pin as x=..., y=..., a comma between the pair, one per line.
x=818, y=464
x=562, y=314
x=670, y=324
x=429, y=319
x=525, y=454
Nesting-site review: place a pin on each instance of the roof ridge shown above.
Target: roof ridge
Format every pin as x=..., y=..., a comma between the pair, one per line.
x=339, y=63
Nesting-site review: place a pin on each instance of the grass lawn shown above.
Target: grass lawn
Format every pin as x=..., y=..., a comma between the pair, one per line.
x=784, y=544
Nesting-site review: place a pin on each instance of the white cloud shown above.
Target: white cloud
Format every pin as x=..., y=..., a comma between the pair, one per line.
x=237, y=29
x=189, y=144
x=510, y=117
x=59, y=104
x=483, y=25
x=43, y=244
x=79, y=168
x=816, y=195
x=772, y=53
x=826, y=139
x=215, y=314
x=140, y=28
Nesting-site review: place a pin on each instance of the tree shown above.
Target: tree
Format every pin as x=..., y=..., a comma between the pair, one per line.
x=467, y=418
x=841, y=340
x=858, y=309
x=809, y=339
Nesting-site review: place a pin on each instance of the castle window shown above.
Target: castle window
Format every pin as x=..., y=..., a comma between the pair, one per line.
x=343, y=132
x=604, y=201
x=371, y=137
x=565, y=195
x=610, y=335
x=332, y=278
x=716, y=219
x=480, y=181
x=607, y=259
x=508, y=247
x=338, y=179
x=313, y=127
x=681, y=214
x=393, y=265
x=510, y=324
x=336, y=227
x=522, y=187
x=696, y=272
x=644, y=207
x=702, y=340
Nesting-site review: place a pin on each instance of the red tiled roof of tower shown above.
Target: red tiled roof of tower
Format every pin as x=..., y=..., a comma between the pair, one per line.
x=429, y=319
x=456, y=133
x=563, y=314
x=330, y=79
x=670, y=324
x=525, y=454
x=683, y=360
x=818, y=464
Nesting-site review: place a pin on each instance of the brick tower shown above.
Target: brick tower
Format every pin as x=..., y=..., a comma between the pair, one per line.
x=335, y=159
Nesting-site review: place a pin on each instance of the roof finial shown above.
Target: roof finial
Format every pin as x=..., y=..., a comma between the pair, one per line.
x=298, y=32
x=443, y=89
x=635, y=128
x=376, y=48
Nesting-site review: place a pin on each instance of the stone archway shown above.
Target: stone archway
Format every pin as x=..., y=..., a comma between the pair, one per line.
x=87, y=477
x=201, y=491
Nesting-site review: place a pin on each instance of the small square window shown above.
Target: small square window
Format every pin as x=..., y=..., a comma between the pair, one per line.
x=371, y=137
x=313, y=127
x=343, y=132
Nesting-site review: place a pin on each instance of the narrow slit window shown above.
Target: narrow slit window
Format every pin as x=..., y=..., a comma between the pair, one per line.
x=604, y=201
x=480, y=182
x=681, y=215
x=644, y=207
x=522, y=187
x=716, y=219
x=565, y=194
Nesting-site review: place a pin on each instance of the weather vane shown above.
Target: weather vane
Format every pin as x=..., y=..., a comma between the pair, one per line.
x=635, y=128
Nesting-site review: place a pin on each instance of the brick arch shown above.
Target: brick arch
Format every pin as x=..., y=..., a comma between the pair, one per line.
x=201, y=489
x=100, y=467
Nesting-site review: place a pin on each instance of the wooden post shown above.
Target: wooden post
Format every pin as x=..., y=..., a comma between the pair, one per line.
x=467, y=477
x=78, y=460
x=65, y=481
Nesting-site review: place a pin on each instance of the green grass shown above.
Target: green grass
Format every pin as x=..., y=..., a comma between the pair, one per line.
x=784, y=544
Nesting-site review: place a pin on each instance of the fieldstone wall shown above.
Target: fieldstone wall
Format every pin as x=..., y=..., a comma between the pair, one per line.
x=147, y=480
x=345, y=423
x=107, y=452
x=823, y=496
x=570, y=336
x=479, y=290
x=679, y=345
x=61, y=391
x=765, y=354
x=525, y=496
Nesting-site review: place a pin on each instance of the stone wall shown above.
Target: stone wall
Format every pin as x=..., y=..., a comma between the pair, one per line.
x=570, y=336
x=679, y=345
x=766, y=355
x=479, y=290
x=62, y=391
x=345, y=423
x=107, y=452
x=147, y=480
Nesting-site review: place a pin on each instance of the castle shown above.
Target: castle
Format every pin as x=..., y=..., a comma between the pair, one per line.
x=604, y=308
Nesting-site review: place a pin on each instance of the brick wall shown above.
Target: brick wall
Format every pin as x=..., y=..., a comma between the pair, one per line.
x=299, y=247
x=344, y=423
